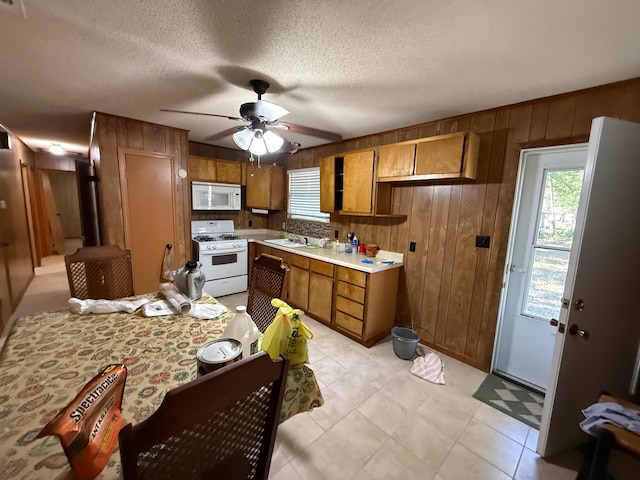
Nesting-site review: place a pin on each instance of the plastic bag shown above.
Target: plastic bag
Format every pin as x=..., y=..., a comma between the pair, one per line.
x=88, y=426
x=287, y=335
x=167, y=262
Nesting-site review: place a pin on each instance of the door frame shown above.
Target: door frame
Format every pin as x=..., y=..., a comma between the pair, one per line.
x=524, y=152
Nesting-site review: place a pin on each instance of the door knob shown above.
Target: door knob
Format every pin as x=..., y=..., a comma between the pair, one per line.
x=575, y=330
x=578, y=305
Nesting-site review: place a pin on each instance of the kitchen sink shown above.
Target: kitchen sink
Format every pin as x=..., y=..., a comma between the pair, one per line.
x=285, y=242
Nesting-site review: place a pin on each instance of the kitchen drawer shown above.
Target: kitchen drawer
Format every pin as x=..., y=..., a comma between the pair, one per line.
x=345, y=305
x=352, y=276
x=281, y=254
x=351, y=292
x=348, y=323
x=299, y=261
x=322, y=268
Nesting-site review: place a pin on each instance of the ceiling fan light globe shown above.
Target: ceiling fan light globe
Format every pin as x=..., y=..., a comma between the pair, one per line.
x=243, y=138
x=258, y=147
x=272, y=141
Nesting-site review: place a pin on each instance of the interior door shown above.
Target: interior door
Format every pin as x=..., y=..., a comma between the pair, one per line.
x=599, y=348
x=549, y=185
x=148, y=201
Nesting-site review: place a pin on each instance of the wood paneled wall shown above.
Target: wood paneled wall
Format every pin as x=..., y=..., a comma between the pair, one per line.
x=112, y=133
x=16, y=267
x=450, y=290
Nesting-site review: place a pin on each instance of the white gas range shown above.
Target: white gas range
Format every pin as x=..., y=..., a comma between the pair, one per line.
x=224, y=256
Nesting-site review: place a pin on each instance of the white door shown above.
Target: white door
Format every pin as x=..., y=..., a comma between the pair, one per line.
x=600, y=344
x=549, y=185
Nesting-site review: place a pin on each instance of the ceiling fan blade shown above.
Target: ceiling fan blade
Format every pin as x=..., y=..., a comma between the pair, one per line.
x=224, y=133
x=269, y=111
x=312, y=132
x=205, y=114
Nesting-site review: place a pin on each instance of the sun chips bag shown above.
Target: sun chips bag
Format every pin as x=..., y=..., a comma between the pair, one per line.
x=88, y=427
x=287, y=335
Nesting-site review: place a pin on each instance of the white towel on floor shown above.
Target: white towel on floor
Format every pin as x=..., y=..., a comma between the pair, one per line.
x=430, y=367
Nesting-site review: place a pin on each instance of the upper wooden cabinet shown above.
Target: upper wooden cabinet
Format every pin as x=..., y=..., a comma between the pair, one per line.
x=348, y=187
x=451, y=156
x=347, y=184
x=214, y=170
x=396, y=160
x=357, y=182
x=265, y=187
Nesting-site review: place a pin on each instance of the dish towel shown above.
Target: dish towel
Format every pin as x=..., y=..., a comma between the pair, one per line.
x=610, y=412
x=430, y=367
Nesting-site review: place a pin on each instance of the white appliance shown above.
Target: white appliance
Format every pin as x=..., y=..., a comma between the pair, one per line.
x=215, y=196
x=224, y=256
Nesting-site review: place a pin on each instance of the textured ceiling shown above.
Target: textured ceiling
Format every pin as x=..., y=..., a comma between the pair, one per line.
x=352, y=67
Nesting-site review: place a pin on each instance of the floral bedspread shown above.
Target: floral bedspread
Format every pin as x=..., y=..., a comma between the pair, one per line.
x=49, y=357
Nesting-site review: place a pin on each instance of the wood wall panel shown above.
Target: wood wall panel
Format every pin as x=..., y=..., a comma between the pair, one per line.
x=595, y=104
x=15, y=247
x=450, y=285
x=112, y=133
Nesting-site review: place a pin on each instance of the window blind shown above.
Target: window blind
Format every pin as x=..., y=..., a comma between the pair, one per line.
x=304, y=195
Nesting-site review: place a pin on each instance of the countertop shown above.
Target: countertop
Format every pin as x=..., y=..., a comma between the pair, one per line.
x=349, y=260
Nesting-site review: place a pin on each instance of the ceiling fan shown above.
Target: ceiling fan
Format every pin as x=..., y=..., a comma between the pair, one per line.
x=258, y=136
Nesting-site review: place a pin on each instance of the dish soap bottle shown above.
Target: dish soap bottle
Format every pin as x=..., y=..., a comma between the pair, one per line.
x=355, y=244
x=242, y=328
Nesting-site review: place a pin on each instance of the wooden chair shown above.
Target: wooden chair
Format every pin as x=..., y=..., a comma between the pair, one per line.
x=221, y=425
x=594, y=466
x=268, y=281
x=100, y=273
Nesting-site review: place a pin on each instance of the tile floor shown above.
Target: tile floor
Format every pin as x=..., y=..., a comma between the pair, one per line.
x=379, y=421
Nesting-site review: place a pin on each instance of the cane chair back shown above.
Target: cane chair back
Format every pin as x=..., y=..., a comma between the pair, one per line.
x=100, y=273
x=268, y=281
x=221, y=425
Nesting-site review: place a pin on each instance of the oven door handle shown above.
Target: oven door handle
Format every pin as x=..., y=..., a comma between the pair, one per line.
x=223, y=251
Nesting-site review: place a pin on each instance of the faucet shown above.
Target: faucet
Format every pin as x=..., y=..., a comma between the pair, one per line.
x=295, y=238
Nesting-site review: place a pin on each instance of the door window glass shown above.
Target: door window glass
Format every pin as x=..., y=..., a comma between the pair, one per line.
x=552, y=243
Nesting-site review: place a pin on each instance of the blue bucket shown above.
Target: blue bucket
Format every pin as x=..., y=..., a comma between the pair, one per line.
x=405, y=342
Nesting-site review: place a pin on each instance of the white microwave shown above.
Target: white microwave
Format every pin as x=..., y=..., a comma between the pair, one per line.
x=215, y=196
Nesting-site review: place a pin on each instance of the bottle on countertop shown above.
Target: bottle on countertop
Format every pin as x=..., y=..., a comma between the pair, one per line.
x=355, y=244
x=242, y=328
x=348, y=243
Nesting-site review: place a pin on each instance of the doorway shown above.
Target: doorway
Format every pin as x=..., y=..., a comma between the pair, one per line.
x=547, y=196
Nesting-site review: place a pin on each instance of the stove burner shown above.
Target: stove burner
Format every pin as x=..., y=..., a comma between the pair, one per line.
x=215, y=238
x=204, y=238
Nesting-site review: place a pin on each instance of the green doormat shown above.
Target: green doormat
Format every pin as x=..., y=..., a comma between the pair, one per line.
x=514, y=400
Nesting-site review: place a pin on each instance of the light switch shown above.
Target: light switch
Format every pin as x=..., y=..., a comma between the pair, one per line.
x=3, y=204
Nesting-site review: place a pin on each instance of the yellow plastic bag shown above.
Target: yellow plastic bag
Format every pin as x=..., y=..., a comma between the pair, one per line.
x=287, y=335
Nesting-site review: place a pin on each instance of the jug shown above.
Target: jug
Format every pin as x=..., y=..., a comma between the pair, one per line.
x=190, y=280
x=194, y=285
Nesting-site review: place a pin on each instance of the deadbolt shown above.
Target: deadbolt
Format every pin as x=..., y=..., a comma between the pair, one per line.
x=578, y=305
x=565, y=302
x=574, y=329
x=553, y=322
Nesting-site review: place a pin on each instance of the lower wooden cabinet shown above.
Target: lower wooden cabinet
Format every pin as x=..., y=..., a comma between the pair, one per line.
x=365, y=303
x=358, y=304
x=299, y=281
x=320, y=305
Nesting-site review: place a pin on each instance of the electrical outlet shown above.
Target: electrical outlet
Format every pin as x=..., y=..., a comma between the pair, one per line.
x=335, y=234
x=412, y=246
x=250, y=223
x=483, y=241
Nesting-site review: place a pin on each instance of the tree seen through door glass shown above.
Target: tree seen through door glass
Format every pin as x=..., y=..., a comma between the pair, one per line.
x=552, y=242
